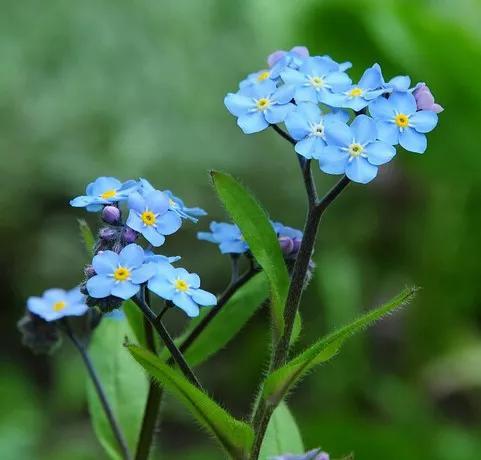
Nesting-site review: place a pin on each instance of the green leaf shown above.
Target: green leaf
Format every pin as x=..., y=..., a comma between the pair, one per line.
x=280, y=381
x=229, y=321
x=235, y=436
x=136, y=321
x=282, y=435
x=259, y=234
x=125, y=387
x=87, y=237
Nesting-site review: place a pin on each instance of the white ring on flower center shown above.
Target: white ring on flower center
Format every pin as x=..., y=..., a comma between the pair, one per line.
x=317, y=129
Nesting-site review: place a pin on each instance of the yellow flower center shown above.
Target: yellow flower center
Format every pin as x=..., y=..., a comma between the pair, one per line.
x=181, y=285
x=108, y=194
x=59, y=306
x=401, y=120
x=263, y=75
x=355, y=92
x=122, y=274
x=148, y=218
x=317, y=82
x=263, y=103
x=355, y=150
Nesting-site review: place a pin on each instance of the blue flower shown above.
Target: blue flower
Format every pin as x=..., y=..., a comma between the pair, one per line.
x=399, y=122
x=308, y=126
x=151, y=216
x=121, y=274
x=182, y=288
x=255, y=78
x=260, y=105
x=356, y=97
x=280, y=60
x=227, y=236
x=316, y=80
x=159, y=259
x=175, y=203
x=57, y=303
x=355, y=151
x=104, y=191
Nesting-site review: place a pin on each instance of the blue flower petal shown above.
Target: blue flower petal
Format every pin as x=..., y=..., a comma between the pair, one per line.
x=75, y=296
x=169, y=223
x=387, y=132
x=105, y=262
x=233, y=247
x=162, y=287
x=204, y=298
x=183, y=301
x=364, y=129
x=293, y=77
x=311, y=147
x=379, y=153
x=193, y=280
x=297, y=124
x=103, y=184
x=252, y=122
x=135, y=222
x=153, y=236
x=125, y=289
x=284, y=94
x=400, y=83
x=332, y=160
x=278, y=113
x=423, y=121
x=306, y=94
x=131, y=256
x=81, y=201
x=136, y=202
x=339, y=134
x=403, y=102
x=238, y=104
x=54, y=295
x=360, y=170
x=413, y=141
x=371, y=78
x=157, y=201
x=338, y=81
x=381, y=109
x=37, y=305
x=100, y=286
x=206, y=236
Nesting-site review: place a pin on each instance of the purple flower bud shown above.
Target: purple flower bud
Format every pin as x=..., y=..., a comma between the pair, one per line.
x=89, y=271
x=286, y=244
x=297, y=245
x=129, y=235
x=111, y=214
x=425, y=99
x=107, y=233
x=274, y=57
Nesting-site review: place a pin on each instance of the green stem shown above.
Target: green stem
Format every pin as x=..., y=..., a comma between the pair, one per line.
x=116, y=430
x=176, y=354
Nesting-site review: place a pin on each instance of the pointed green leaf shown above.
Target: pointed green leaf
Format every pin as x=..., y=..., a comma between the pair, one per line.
x=125, y=387
x=87, y=237
x=136, y=321
x=259, y=234
x=229, y=321
x=235, y=436
x=282, y=434
x=283, y=379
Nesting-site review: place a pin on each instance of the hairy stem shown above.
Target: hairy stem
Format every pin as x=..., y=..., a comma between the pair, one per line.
x=154, y=398
x=176, y=354
x=316, y=209
x=116, y=430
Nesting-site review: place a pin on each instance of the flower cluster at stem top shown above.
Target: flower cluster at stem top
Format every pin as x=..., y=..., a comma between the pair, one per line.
x=350, y=128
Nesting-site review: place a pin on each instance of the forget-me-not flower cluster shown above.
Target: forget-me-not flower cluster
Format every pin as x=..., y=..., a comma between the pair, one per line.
x=350, y=128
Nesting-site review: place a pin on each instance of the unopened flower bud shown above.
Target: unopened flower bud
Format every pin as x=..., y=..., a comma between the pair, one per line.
x=425, y=99
x=111, y=214
x=286, y=244
x=297, y=245
x=41, y=336
x=129, y=235
x=107, y=233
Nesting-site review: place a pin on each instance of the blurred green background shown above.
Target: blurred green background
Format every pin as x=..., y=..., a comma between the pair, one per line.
x=135, y=89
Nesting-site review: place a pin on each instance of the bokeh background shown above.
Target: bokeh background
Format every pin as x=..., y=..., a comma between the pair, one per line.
x=133, y=89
